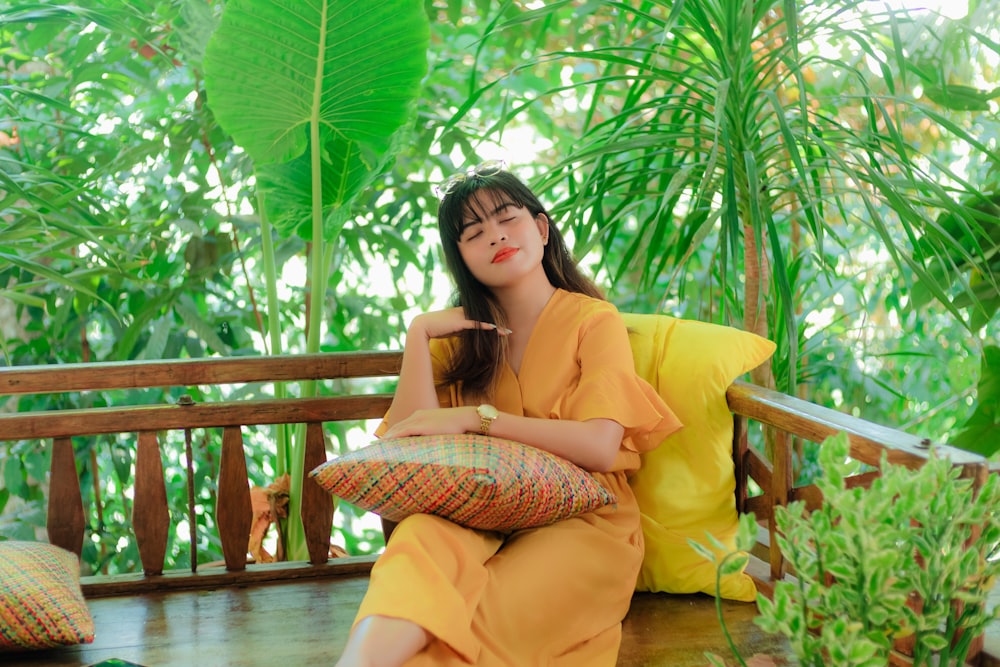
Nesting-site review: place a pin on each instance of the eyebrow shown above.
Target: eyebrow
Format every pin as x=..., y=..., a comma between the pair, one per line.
x=477, y=221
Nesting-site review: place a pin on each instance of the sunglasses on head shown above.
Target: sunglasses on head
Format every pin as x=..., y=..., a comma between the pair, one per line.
x=487, y=168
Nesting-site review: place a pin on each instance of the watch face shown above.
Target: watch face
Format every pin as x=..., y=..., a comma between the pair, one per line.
x=488, y=411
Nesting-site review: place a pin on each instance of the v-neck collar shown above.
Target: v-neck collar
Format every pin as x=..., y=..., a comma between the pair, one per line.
x=539, y=323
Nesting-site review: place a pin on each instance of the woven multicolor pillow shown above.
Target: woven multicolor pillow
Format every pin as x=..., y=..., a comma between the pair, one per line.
x=476, y=481
x=41, y=604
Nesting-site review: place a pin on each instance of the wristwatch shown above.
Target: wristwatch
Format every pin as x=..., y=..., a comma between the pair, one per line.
x=487, y=415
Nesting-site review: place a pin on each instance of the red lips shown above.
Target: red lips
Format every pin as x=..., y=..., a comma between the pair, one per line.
x=504, y=253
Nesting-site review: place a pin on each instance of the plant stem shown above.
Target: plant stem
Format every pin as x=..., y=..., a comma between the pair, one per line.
x=718, y=609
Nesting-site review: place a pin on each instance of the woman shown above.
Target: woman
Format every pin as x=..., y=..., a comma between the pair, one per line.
x=532, y=354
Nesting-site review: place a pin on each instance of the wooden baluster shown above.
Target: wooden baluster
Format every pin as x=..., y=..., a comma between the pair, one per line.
x=781, y=485
x=150, y=516
x=192, y=514
x=741, y=446
x=187, y=400
x=317, y=504
x=233, y=513
x=65, y=522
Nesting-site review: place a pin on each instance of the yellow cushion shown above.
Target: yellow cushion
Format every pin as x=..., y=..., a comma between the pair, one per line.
x=685, y=487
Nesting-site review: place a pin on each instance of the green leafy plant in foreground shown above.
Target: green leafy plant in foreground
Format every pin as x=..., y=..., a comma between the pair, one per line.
x=913, y=557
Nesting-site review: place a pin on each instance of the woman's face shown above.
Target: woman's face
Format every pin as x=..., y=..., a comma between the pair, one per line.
x=501, y=242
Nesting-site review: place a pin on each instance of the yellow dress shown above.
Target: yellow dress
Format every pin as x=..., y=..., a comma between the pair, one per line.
x=554, y=595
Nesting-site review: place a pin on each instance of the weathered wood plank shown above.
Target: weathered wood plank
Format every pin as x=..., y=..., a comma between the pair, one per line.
x=813, y=498
x=816, y=423
x=741, y=461
x=191, y=506
x=150, y=516
x=210, y=577
x=781, y=486
x=809, y=494
x=237, y=625
x=295, y=623
x=44, y=379
x=187, y=627
x=94, y=421
x=234, y=511
x=317, y=504
x=65, y=522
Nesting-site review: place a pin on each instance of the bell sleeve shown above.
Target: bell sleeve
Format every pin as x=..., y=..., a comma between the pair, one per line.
x=608, y=387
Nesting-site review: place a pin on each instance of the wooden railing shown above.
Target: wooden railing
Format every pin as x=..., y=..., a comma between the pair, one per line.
x=66, y=523
x=788, y=417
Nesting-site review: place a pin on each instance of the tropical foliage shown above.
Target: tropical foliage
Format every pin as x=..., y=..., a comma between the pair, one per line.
x=919, y=582
x=821, y=172
x=320, y=125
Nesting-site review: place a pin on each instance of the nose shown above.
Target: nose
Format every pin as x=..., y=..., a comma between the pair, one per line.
x=498, y=235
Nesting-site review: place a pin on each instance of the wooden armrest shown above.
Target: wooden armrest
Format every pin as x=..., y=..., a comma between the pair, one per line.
x=791, y=418
x=55, y=378
x=816, y=423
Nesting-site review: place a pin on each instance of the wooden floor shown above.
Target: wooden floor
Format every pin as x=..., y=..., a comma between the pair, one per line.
x=306, y=623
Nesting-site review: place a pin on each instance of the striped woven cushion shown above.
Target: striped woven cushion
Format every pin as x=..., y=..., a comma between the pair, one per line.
x=474, y=480
x=41, y=604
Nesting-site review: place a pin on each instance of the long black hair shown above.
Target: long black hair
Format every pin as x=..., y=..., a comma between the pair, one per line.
x=478, y=359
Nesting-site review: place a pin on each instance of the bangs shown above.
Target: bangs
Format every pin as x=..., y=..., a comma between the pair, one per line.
x=475, y=201
x=484, y=202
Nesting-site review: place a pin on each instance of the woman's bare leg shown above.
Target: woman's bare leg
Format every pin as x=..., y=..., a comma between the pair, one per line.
x=382, y=641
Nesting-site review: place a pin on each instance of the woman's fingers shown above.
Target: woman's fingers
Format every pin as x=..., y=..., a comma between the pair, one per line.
x=476, y=324
x=444, y=323
x=503, y=331
x=433, y=422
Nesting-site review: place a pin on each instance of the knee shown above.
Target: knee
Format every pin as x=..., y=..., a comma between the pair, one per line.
x=432, y=534
x=419, y=526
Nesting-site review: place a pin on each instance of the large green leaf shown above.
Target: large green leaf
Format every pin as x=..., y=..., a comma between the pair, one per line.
x=287, y=187
x=340, y=75
x=982, y=432
x=352, y=66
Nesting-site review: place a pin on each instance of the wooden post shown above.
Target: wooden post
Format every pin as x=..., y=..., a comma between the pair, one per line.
x=65, y=522
x=192, y=515
x=234, y=512
x=317, y=504
x=781, y=485
x=150, y=515
x=741, y=447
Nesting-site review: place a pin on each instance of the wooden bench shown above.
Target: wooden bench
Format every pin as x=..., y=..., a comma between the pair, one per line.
x=300, y=612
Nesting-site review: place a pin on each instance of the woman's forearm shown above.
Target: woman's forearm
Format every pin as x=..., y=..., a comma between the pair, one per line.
x=593, y=444
x=415, y=389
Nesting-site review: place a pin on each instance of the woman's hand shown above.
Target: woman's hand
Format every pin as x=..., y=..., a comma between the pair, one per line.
x=415, y=402
x=436, y=421
x=444, y=323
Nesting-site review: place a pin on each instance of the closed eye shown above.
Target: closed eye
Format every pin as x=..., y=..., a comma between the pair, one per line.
x=471, y=230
